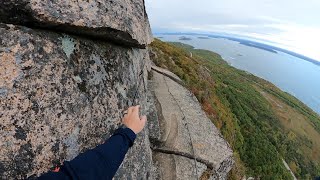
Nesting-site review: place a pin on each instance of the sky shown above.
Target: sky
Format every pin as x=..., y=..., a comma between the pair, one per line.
x=289, y=24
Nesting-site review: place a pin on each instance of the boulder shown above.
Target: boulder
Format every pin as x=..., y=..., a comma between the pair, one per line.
x=187, y=131
x=61, y=95
x=123, y=22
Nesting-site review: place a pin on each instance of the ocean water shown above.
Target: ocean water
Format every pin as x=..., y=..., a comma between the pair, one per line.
x=296, y=76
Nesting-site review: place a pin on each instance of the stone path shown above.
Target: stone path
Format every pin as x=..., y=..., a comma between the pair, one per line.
x=186, y=134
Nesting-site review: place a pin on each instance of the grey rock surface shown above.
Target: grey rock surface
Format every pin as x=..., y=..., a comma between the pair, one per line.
x=174, y=167
x=188, y=132
x=124, y=22
x=175, y=135
x=61, y=95
x=154, y=115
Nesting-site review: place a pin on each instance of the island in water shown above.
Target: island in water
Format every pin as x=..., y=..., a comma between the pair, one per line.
x=201, y=37
x=183, y=38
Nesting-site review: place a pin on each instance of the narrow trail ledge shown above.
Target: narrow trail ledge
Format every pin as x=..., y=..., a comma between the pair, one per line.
x=186, y=132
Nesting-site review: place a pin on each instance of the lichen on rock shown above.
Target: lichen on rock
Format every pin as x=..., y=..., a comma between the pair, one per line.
x=68, y=45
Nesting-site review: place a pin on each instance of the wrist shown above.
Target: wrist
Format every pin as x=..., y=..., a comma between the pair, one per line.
x=123, y=126
x=128, y=133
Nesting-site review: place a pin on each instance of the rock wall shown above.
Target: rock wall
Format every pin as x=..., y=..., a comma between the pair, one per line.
x=67, y=71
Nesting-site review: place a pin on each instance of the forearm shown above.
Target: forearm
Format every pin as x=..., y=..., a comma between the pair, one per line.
x=101, y=162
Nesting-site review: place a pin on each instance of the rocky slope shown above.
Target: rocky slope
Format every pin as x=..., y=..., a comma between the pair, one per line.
x=264, y=125
x=68, y=70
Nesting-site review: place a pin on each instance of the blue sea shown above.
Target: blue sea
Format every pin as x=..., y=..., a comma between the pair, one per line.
x=296, y=76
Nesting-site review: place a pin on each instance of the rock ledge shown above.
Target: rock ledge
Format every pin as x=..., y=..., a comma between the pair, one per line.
x=123, y=22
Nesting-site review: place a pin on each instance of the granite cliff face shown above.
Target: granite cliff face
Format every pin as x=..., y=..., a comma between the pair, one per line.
x=68, y=70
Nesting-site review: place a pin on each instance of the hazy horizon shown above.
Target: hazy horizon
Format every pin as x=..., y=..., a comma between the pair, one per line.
x=288, y=24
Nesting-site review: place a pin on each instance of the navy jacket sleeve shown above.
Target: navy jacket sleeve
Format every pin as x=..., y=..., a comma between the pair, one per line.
x=99, y=163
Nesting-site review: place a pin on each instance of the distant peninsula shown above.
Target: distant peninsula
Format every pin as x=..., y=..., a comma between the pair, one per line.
x=251, y=43
x=201, y=37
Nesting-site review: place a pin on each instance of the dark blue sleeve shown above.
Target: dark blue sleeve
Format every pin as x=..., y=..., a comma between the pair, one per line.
x=99, y=163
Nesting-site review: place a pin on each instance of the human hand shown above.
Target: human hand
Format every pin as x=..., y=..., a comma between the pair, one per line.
x=132, y=120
